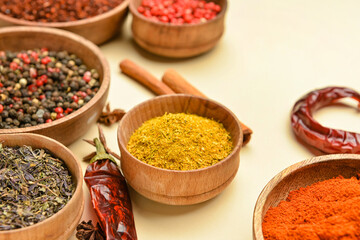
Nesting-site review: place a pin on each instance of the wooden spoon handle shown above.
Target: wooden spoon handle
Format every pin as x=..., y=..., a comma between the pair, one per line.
x=179, y=85
x=144, y=77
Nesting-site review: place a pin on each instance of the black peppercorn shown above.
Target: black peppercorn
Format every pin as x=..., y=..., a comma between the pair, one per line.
x=35, y=82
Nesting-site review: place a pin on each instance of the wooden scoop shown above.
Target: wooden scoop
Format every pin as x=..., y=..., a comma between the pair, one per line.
x=171, y=83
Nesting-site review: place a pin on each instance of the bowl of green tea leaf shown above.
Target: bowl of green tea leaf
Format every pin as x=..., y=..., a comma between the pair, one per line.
x=180, y=149
x=41, y=193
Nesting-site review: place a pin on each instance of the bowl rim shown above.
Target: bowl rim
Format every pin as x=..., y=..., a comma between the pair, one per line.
x=235, y=150
x=79, y=184
x=105, y=81
x=121, y=7
x=134, y=12
x=260, y=202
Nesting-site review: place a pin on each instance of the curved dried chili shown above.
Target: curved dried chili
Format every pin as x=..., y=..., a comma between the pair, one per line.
x=313, y=133
x=110, y=196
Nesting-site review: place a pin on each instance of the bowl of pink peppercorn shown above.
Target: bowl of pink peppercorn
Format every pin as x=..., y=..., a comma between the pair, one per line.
x=177, y=28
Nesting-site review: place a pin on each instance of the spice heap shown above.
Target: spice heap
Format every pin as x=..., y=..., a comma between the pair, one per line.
x=179, y=11
x=325, y=210
x=180, y=141
x=56, y=10
x=34, y=185
x=38, y=86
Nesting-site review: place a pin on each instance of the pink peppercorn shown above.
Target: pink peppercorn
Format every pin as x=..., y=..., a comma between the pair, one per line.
x=33, y=72
x=34, y=55
x=59, y=110
x=60, y=115
x=87, y=76
x=68, y=110
x=45, y=60
x=75, y=98
x=179, y=11
x=32, y=88
x=14, y=66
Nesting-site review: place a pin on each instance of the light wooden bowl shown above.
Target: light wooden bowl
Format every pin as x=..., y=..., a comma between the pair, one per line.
x=171, y=186
x=61, y=225
x=97, y=29
x=66, y=130
x=176, y=41
x=301, y=174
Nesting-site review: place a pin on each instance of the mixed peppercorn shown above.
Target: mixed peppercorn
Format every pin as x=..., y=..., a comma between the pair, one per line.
x=179, y=11
x=56, y=10
x=39, y=86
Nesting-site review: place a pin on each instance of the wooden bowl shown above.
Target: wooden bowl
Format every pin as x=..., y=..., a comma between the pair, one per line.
x=176, y=41
x=172, y=186
x=97, y=29
x=301, y=174
x=61, y=225
x=66, y=130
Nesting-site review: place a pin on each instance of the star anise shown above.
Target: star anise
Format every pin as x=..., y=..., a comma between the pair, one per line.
x=109, y=117
x=87, y=231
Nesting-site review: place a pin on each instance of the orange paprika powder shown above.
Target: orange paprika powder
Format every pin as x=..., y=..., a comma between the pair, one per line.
x=326, y=210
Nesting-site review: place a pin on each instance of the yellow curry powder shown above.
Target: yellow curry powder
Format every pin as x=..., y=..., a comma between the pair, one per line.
x=180, y=141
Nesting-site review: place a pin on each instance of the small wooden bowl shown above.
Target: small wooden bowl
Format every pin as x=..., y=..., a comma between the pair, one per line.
x=97, y=29
x=301, y=174
x=66, y=130
x=176, y=41
x=61, y=225
x=171, y=186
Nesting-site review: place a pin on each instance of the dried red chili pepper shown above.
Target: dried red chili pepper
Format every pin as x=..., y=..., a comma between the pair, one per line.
x=110, y=197
x=313, y=133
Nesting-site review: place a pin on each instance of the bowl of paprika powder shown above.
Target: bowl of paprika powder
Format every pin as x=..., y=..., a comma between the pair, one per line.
x=317, y=198
x=97, y=21
x=53, y=82
x=177, y=29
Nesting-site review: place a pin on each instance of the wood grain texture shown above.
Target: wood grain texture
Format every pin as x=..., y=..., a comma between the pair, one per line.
x=176, y=41
x=61, y=225
x=179, y=187
x=180, y=85
x=66, y=130
x=98, y=29
x=301, y=174
x=144, y=77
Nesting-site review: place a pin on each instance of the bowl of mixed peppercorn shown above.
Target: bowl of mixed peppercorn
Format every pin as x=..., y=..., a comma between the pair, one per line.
x=96, y=20
x=180, y=149
x=177, y=28
x=52, y=82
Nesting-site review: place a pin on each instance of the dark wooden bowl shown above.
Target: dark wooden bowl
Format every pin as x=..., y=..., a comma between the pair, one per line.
x=66, y=130
x=97, y=29
x=299, y=175
x=61, y=225
x=176, y=41
x=172, y=186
